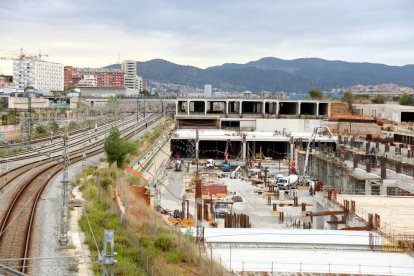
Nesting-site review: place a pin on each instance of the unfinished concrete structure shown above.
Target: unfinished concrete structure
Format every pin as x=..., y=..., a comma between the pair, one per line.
x=243, y=107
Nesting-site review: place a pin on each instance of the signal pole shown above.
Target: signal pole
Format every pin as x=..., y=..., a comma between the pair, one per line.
x=63, y=240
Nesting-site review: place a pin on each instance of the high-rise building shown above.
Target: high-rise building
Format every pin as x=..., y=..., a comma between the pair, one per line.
x=208, y=90
x=129, y=67
x=39, y=74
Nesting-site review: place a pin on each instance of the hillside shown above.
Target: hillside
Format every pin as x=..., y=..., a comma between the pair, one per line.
x=272, y=74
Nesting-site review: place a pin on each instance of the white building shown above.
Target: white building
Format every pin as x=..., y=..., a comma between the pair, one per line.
x=88, y=81
x=41, y=75
x=208, y=90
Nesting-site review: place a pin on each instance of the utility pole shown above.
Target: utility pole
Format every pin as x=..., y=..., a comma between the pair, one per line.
x=29, y=137
x=63, y=240
x=105, y=258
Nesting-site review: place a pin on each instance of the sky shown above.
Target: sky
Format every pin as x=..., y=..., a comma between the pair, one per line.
x=95, y=33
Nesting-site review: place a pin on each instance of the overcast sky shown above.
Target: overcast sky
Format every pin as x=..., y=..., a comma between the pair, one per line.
x=204, y=33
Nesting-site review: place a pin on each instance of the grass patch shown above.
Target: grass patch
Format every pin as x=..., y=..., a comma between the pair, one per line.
x=11, y=151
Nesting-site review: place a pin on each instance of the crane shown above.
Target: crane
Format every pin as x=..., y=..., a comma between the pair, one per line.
x=23, y=56
x=311, y=140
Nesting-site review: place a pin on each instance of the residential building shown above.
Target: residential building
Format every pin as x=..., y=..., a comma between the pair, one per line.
x=88, y=81
x=6, y=81
x=129, y=67
x=105, y=77
x=41, y=75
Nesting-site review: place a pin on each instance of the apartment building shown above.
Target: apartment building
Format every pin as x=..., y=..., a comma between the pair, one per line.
x=82, y=77
x=39, y=74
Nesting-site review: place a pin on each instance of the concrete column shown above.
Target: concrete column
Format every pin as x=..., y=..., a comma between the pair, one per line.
x=176, y=107
x=383, y=168
x=291, y=151
x=244, y=151
x=264, y=108
x=254, y=148
x=240, y=107
x=197, y=147
x=298, y=113
x=317, y=109
x=188, y=107
x=227, y=107
x=277, y=108
x=205, y=108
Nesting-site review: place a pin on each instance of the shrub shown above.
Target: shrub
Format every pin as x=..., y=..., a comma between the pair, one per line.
x=164, y=243
x=175, y=257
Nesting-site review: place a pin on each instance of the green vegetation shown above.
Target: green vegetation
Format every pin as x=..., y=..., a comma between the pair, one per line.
x=348, y=97
x=73, y=125
x=112, y=104
x=10, y=151
x=379, y=99
x=145, y=244
x=406, y=99
x=316, y=94
x=41, y=130
x=116, y=148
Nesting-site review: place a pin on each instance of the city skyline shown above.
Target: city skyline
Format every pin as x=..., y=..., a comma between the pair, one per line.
x=98, y=33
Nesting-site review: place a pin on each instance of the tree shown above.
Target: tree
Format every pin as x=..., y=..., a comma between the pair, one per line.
x=348, y=97
x=379, y=99
x=116, y=148
x=111, y=104
x=315, y=94
x=406, y=99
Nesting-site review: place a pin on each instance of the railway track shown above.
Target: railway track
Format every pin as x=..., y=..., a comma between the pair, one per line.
x=12, y=174
x=34, y=153
x=17, y=222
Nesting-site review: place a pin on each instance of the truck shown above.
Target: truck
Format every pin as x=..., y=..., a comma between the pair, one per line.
x=221, y=209
x=287, y=182
x=210, y=163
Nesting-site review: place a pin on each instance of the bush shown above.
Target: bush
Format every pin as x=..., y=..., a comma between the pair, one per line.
x=379, y=99
x=164, y=243
x=73, y=125
x=175, y=257
x=41, y=130
x=406, y=99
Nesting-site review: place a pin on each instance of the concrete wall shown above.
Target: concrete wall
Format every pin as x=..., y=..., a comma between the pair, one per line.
x=248, y=124
x=291, y=125
x=346, y=128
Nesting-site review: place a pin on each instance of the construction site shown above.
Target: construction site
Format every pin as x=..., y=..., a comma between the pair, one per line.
x=263, y=191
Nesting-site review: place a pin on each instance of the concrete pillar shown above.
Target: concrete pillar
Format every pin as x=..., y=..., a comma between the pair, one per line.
x=264, y=107
x=244, y=151
x=277, y=108
x=188, y=107
x=383, y=168
x=205, y=108
x=197, y=147
x=356, y=157
x=227, y=107
x=240, y=107
x=298, y=113
x=254, y=149
x=291, y=151
x=368, y=190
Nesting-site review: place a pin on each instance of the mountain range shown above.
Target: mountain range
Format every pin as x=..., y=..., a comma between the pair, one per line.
x=274, y=74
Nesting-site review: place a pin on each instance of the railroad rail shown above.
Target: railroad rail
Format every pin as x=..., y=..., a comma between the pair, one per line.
x=17, y=222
